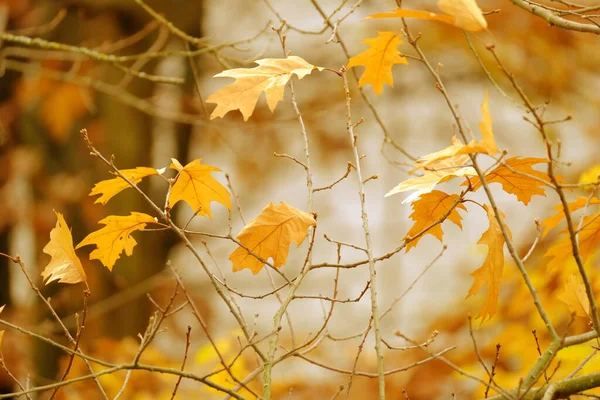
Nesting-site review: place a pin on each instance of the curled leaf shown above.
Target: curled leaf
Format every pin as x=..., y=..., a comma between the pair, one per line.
x=64, y=266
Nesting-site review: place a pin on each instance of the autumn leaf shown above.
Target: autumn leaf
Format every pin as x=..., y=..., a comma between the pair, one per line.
x=575, y=296
x=111, y=240
x=589, y=239
x=110, y=187
x=379, y=60
x=487, y=145
x=431, y=208
x=197, y=187
x=517, y=177
x=553, y=221
x=590, y=175
x=271, y=76
x=64, y=266
x=269, y=236
x=464, y=14
x=490, y=273
x=438, y=172
x=2, y=331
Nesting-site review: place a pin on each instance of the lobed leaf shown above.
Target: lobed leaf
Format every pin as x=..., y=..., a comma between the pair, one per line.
x=575, y=296
x=554, y=220
x=110, y=187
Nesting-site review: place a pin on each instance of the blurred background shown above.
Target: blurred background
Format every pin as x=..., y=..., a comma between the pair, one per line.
x=48, y=95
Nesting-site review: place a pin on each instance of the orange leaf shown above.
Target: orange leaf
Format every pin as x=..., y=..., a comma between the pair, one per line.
x=589, y=239
x=464, y=14
x=271, y=76
x=115, y=237
x=433, y=207
x=64, y=266
x=197, y=187
x=517, y=177
x=1, y=332
x=438, y=172
x=379, y=60
x=110, y=187
x=490, y=273
x=553, y=221
x=269, y=236
x=575, y=297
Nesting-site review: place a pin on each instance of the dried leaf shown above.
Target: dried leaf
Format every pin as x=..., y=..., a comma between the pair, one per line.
x=197, y=187
x=115, y=237
x=464, y=14
x=517, y=177
x=379, y=60
x=490, y=273
x=110, y=187
x=431, y=208
x=438, y=172
x=269, y=236
x=589, y=239
x=64, y=266
x=271, y=76
x=575, y=296
x=553, y=221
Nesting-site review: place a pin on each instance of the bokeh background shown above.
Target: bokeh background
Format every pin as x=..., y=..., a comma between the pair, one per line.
x=48, y=96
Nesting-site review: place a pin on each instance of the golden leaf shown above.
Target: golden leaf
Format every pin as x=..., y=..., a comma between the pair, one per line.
x=440, y=171
x=197, y=187
x=575, y=296
x=487, y=145
x=115, y=237
x=590, y=175
x=433, y=207
x=1, y=332
x=553, y=221
x=110, y=187
x=379, y=60
x=464, y=14
x=490, y=273
x=517, y=177
x=269, y=236
x=589, y=239
x=271, y=76
x=64, y=266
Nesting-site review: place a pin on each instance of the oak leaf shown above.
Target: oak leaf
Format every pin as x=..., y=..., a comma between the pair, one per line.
x=64, y=266
x=553, y=221
x=271, y=76
x=379, y=60
x=2, y=331
x=110, y=187
x=490, y=273
x=589, y=240
x=197, y=187
x=431, y=208
x=487, y=145
x=115, y=237
x=438, y=172
x=464, y=14
x=517, y=177
x=575, y=296
x=269, y=236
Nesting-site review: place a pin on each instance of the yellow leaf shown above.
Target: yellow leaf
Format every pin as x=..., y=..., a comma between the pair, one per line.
x=590, y=175
x=115, y=237
x=589, y=239
x=64, y=266
x=379, y=60
x=486, y=146
x=438, y=172
x=110, y=187
x=430, y=208
x=517, y=177
x=575, y=297
x=490, y=273
x=269, y=236
x=197, y=187
x=464, y=14
x=271, y=76
x=1, y=332
x=553, y=221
